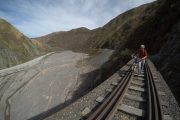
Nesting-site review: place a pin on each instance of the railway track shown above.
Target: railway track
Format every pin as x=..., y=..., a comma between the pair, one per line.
x=134, y=98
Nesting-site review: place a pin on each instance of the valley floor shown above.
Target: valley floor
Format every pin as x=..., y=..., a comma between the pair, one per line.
x=35, y=87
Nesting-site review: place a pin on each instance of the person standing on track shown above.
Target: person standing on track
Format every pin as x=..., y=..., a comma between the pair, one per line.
x=141, y=56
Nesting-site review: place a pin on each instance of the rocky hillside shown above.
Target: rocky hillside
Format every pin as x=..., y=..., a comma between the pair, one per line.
x=115, y=33
x=157, y=25
x=15, y=48
x=41, y=46
x=168, y=59
x=159, y=31
x=74, y=39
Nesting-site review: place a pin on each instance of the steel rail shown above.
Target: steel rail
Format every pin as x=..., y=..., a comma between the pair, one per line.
x=108, y=108
x=154, y=106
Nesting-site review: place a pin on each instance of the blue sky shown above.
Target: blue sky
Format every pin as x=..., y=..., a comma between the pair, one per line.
x=39, y=17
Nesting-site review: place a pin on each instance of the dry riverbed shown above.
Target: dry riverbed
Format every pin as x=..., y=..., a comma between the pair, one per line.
x=33, y=88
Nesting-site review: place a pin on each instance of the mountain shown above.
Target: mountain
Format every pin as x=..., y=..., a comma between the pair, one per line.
x=157, y=25
x=74, y=39
x=15, y=48
x=41, y=46
x=160, y=32
x=110, y=35
x=115, y=32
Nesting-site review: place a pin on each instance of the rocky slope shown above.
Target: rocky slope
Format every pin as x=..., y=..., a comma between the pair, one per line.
x=159, y=29
x=115, y=33
x=15, y=48
x=160, y=33
x=157, y=25
x=41, y=46
x=168, y=60
x=74, y=39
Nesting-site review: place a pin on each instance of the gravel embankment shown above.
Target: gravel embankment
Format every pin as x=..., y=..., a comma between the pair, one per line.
x=88, y=102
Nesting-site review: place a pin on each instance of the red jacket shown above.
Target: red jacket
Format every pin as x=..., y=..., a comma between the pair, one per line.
x=141, y=53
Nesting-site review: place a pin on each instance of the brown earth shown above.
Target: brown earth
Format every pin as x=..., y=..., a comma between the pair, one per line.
x=15, y=48
x=74, y=39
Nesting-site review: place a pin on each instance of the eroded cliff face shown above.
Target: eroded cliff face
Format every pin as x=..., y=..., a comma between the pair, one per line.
x=160, y=32
x=168, y=60
x=15, y=48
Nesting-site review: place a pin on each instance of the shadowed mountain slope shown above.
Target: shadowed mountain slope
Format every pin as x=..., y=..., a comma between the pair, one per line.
x=158, y=29
x=160, y=33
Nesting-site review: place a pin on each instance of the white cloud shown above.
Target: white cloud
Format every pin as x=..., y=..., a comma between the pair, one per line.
x=41, y=17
